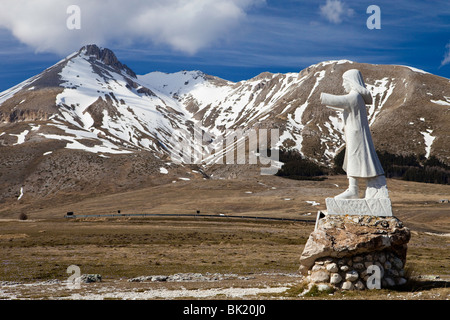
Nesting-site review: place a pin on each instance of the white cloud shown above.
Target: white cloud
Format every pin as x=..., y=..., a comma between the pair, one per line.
x=184, y=25
x=446, y=56
x=336, y=11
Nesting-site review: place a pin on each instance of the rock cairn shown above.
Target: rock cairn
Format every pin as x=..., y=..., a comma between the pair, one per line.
x=352, y=272
x=354, y=252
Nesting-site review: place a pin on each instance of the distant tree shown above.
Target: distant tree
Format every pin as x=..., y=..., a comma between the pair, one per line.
x=407, y=167
x=23, y=216
x=339, y=162
x=433, y=161
x=298, y=168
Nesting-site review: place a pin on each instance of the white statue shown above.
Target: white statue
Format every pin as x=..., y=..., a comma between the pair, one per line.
x=361, y=160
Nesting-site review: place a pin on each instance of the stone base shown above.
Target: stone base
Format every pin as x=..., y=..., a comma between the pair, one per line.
x=343, y=252
x=365, y=271
x=372, y=207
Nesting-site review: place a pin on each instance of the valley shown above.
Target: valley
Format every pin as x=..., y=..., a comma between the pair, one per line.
x=212, y=257
x=91, y=137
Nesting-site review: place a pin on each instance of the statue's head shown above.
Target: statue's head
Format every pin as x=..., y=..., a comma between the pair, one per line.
x=347, y=85
x=353, y=80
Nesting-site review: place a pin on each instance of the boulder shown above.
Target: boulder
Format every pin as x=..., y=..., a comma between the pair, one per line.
x=320, y=276
x=332, y=267
x=89, y=278
x=352, y=252
x=335, y=278
x=359, y=285
x=339, y=236
x=347, y=285
x=351, y=276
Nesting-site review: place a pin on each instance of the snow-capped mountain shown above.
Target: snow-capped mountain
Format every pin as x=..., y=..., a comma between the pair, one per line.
x=409, y=113
x=94, y=97
x=90, y=119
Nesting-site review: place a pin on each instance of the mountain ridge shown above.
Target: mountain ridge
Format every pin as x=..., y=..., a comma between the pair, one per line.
x=91, y=102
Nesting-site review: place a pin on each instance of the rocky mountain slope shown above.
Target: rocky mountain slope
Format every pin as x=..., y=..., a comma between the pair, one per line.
x=409, y=113
x=90, y=124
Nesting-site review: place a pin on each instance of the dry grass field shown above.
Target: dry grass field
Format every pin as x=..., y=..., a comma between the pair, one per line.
x=254, y=258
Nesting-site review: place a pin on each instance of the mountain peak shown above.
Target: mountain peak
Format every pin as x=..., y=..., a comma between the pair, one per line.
x=106, y=56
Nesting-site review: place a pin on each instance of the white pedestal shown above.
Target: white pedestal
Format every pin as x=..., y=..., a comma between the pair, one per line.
x=370, y=207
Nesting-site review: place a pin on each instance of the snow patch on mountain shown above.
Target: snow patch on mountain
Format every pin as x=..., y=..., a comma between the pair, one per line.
x=178, y=83
x=441, y=102
x=416, y=69
x=298, y=114
x=73, y=136
x=21, y=194
x=429, y=139
x=21, y=137
x=7, y=94
x=381, y=90
x=326, y=63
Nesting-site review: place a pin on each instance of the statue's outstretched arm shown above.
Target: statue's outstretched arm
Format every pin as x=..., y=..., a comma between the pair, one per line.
x=334, y=102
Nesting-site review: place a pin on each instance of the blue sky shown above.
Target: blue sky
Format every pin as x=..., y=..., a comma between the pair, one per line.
x=231, y=39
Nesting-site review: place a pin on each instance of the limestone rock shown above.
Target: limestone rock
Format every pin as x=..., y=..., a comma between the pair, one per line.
x=360, y=285
x=335, y=278
x=345, y=268
x=389, y=282
x=317, y=267
x=320, y=276
x=89, y=278
x=397, y=263
x=354, y=252
x=339, y=236
x=159, y=278
x=351, y=276
x=373, y=276
x=332, y=267
x=347, y=285
x=359, y=266
x=387, y=265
